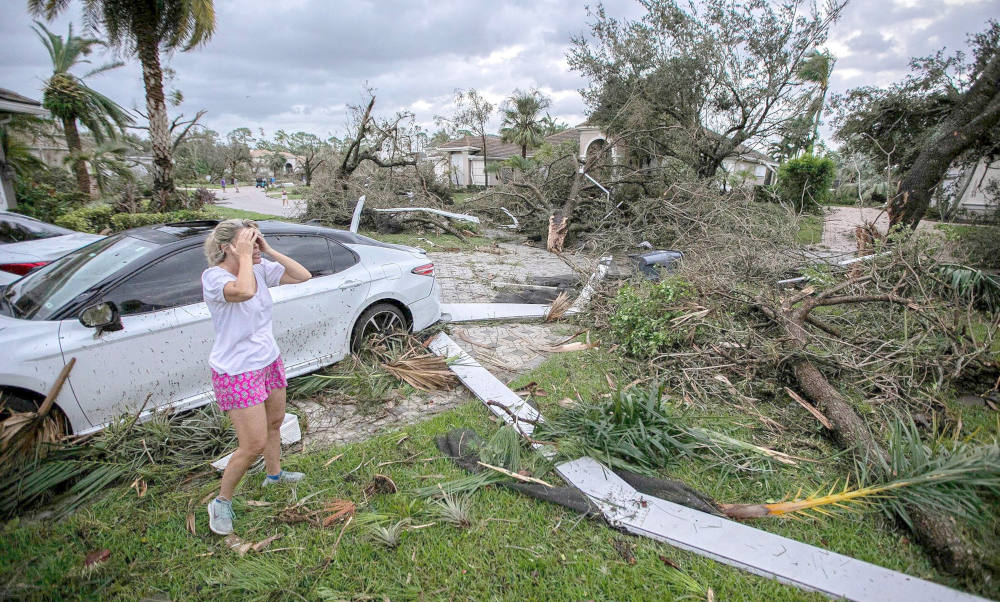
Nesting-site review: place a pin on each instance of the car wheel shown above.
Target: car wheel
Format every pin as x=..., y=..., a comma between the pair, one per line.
x=15, y=401
x=379, y=320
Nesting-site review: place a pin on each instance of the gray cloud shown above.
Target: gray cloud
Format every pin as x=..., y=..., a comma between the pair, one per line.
x=297, y=64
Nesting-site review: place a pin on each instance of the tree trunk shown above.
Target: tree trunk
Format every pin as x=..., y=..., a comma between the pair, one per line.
x=559, y=220
x=156, y=107
x=939, y=534
x=75, y=146
x=975, y=114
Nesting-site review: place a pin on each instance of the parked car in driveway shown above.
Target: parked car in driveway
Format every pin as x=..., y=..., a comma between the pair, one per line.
x=129, y=308
x=27, y=243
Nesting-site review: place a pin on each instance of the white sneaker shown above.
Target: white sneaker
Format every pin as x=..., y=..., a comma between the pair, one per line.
x=220, y=516
x=285, y=476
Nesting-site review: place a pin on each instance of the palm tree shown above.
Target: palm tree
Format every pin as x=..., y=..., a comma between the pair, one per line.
x=70, y=100
x=145, y=27
x=816, y=69
x=522, y=123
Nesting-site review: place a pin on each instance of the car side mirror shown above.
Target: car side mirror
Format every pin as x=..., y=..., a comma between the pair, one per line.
x=104, y=317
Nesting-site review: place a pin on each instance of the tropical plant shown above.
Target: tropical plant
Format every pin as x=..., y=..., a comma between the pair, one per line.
x=816, y=69
x=641, y=432
x=943, y=476
x=108, y=160
x=70, y=100
x=522, y=122
x=454, y=509
x=145, y=28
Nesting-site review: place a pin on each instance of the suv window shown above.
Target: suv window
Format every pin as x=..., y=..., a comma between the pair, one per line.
x=170, y=282
x=313, y=252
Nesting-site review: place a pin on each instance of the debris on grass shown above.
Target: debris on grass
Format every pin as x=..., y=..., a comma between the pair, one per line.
x=96, y=557
x=340, y=509
x=454, y=510
x=23, y=434
x=389, y=535
x=560, y=305
x=380, y=485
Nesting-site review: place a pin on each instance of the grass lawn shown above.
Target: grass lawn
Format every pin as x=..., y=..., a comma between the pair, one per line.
x=810, y=230
x=515, y=548
x=229, y=212
x=441, y=242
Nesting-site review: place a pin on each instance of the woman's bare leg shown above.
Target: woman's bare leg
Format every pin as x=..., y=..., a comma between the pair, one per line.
x=275, y=407
x=251, y=431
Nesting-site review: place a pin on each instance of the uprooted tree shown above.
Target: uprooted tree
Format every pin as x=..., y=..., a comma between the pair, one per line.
x=377, y=160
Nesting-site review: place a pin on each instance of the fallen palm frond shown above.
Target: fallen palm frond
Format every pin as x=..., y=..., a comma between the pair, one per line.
x=423, y=371
x=943, y=477
x=640, y=432
x=22, y=433
x=974, y=284
x=560, y=305
x=73, y=474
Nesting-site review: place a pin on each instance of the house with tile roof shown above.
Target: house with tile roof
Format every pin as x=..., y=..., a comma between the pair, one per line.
x=460, y=161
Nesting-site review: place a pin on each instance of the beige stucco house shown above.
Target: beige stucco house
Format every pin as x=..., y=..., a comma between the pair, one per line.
x=461, y=161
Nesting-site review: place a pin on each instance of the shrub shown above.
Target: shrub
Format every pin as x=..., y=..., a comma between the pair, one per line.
x=47, y=193
x=91, y=218
x=97, y=218
x=641, y=321
x=805, y=182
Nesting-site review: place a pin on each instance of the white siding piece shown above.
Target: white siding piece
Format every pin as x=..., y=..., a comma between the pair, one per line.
x=485, y=386
x=766, y=554
x=458, y=216
x=471, y=312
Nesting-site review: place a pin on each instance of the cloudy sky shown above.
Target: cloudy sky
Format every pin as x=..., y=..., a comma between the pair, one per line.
x=297, y=64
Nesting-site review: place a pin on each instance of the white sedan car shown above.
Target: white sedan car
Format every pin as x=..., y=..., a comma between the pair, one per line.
x=129, y=308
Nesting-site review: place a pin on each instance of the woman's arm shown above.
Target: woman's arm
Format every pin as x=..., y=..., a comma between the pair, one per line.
x=294, y=272
x=245, y=285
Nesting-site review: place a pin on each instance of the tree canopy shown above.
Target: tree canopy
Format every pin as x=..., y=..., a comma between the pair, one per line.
x=522, y=121
x=695, y=82
x=945, y=111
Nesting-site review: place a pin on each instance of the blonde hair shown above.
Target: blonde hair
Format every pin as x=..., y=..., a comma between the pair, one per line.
x=222, y=236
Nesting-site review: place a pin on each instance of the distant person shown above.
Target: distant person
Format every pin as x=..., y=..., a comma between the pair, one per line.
x=235, y=185
x=248, y=375
x=284, y=197
x=223, y=183
x=272, y=181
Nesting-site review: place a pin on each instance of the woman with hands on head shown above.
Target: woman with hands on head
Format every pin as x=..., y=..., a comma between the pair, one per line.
x=248, y=375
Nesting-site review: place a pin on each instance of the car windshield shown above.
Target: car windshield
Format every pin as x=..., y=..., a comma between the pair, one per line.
x=41, y=293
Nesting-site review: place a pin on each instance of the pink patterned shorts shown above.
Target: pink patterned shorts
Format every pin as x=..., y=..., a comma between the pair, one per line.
x=235, y=391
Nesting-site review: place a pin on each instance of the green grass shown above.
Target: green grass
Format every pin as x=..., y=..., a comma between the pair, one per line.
x=810, y=230
x=516, y=548
x=229, y=212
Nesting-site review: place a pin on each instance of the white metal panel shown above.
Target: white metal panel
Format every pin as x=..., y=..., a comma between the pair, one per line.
x=733, y=543
x=469, y=312
x=486, y=386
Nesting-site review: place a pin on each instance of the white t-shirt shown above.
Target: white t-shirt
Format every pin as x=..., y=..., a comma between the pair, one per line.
x=244, y=339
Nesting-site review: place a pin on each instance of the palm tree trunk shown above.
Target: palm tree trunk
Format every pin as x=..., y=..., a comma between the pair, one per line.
x=156, y=108
x=486, y=175
x=75, y=147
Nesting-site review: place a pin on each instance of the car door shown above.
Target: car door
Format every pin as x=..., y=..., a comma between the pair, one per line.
x=312, y=320
x=160, y=354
